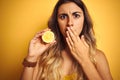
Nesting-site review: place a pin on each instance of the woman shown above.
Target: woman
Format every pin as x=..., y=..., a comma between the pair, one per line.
x=73, y=54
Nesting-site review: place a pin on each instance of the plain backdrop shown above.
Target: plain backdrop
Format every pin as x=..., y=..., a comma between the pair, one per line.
x=21, y=19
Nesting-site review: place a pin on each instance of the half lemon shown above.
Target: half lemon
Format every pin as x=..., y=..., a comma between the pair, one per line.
x=48, y=37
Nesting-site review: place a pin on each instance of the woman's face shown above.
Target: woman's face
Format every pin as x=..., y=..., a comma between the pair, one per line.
x=70, y=15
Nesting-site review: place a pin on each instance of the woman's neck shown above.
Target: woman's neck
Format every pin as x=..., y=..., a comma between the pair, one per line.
x=67, y=55
x=68, y=65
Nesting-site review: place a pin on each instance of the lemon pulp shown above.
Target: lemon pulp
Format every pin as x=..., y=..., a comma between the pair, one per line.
x=48, y=37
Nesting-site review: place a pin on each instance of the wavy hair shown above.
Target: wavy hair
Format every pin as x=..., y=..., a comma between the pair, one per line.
x=51, y=61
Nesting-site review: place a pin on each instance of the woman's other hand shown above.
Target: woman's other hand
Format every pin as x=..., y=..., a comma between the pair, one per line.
x=37, y=47
x=78, y=46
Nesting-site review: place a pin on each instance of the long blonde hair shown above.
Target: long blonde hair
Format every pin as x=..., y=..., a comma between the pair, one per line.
x=51, y=61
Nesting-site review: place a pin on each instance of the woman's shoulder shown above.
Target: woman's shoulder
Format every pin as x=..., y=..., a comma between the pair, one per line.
x=102, y=65
x=100, y=58
x=99, y=54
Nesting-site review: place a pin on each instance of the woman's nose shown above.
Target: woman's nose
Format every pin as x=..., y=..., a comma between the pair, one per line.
x=70, y=22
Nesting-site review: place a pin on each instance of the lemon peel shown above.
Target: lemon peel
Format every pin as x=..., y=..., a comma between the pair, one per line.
x=48, y=37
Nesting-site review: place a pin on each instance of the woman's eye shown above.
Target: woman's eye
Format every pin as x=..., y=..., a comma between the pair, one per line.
x=76, y=15
x=63, y=17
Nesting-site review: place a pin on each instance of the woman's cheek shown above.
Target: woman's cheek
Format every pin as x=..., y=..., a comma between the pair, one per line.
x=62, y=27
x=62, y=30
x=79, y=28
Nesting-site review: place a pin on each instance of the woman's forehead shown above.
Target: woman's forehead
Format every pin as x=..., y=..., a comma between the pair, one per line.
x=69, y=7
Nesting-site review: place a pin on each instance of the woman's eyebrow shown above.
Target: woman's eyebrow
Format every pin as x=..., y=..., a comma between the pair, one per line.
x=62, y=14
x=77, y=12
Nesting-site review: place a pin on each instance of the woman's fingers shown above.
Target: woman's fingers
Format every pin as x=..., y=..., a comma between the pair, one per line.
x=40, y=33
x=74, y=39
x=71, y=35
x=69, y=38
x=52, y=43
x=37, y=37
x=73, y=31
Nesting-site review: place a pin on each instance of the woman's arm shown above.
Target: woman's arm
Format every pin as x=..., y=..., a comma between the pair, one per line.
x=36, y=49
x=90, y=70
x=99, y=70
x=102, y=65
x=80, y=50
x=28, y=72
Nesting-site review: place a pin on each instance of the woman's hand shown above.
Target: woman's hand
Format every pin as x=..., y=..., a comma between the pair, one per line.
x=37, y=46
x=78, y=46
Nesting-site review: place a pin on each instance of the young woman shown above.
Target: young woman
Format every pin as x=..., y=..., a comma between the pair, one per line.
x=73, y=54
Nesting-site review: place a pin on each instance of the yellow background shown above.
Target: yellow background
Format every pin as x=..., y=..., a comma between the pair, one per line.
x=21, y=19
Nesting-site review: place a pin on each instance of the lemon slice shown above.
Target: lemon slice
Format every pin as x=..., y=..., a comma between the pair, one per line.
x=48, y=37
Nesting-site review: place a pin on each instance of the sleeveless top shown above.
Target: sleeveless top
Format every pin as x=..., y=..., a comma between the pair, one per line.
x=70, y=76
x=73, y=75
